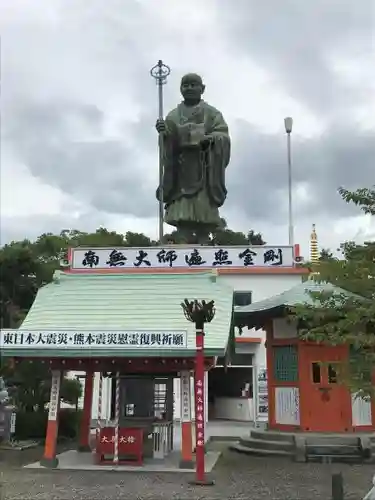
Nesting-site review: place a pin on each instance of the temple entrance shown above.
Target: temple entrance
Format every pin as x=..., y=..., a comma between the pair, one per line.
x=230, y=393
x=326, y=409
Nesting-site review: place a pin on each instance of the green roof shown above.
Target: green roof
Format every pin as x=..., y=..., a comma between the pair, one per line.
x=254, y=314
x=128, y=302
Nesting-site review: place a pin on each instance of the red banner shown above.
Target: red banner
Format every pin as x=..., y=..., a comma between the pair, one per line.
x=199, y=406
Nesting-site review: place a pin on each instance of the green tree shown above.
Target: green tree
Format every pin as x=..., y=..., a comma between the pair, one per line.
x=347, y=318
x=325, y=254
x=19, y=283
x=223, y=236
x=29, y=385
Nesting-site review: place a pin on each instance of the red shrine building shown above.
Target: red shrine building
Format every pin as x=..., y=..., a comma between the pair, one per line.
x=303, y=389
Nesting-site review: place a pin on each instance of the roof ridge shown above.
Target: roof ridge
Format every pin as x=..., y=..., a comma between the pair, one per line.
x=59, y=274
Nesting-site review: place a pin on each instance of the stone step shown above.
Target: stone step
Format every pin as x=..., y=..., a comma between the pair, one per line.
x=333, y=449
x=333, y=440
x=262, y=444
x=272, y=436
x=260, y=452
x=350, y=459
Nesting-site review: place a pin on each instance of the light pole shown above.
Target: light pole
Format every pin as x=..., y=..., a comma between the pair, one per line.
x=160, y=72
x=288, y=122
x=199, y=313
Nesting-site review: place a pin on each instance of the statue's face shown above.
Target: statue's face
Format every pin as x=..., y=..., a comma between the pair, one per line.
x=192, y=88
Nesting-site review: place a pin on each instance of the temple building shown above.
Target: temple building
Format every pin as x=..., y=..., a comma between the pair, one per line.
x=231, y=386
x=114, y=317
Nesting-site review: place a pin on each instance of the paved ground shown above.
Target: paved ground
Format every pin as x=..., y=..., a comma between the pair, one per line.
x=237, y=477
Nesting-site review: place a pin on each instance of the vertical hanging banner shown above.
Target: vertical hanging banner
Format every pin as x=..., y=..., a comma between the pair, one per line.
x=199, y=410
x=55, y=395
x=185, y=397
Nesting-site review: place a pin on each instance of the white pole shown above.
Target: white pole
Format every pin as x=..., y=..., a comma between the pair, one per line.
x=255, y=395
x=117, y=418
x=100, y=404
x=288, y=128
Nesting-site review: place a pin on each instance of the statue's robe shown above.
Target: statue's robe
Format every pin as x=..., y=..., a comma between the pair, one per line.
x=194, y=176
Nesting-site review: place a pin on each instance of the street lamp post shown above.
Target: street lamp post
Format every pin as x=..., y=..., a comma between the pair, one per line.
x=199, y=313
x=288, y=122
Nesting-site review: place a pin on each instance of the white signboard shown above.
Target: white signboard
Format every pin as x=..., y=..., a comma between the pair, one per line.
x=181, y=257
x=13, y=418
x=287, y=406
x=55, y=395
x=185, y=397
x=92, y=339
x=261, y=395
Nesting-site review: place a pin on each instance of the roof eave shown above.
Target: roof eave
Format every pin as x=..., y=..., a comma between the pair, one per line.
x=258, y=319
x=110, y=353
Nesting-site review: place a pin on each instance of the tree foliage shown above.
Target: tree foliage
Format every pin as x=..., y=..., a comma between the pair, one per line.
x=325, y=254
x=347, y=318
x=29, y=385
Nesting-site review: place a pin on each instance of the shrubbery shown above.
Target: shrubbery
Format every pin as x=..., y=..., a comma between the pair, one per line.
x=33, y=425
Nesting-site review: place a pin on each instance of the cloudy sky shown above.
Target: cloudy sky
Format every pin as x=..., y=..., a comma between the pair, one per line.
x=79, y=149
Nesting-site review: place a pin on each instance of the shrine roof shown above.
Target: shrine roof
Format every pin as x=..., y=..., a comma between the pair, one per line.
x=127, y=302
x=274, y=306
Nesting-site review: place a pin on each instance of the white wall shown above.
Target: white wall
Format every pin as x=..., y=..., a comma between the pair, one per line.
x=257, y=350
x=241, y=409
x=284, y=329
x=262, y=287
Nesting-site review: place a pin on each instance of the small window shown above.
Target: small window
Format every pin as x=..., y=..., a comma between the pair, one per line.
x=285, y=360
x=316, y=375
x=332, y=374
x=242, y=298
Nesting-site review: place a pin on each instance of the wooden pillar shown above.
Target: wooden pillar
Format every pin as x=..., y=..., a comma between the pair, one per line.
x=186, y=461
x=49, y=458
x=84, y=435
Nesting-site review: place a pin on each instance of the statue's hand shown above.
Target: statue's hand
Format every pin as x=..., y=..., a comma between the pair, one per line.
x=207, y=141
x=161, y=126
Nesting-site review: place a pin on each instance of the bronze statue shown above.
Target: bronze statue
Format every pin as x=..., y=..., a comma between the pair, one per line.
x=196, y=147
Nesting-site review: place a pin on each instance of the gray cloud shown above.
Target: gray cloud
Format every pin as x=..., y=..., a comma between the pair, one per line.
x=25, y=227
x=341, y=156
x=104, y=173
x=294, y=41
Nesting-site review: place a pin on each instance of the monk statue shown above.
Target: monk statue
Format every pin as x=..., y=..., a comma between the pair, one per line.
x=196, y=146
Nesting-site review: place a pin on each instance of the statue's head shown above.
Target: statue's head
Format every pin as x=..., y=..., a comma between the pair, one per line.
x=192, y=87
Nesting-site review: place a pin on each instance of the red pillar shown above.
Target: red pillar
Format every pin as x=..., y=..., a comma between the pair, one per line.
x=49, y=458
x=84, y=435
x=201, y=478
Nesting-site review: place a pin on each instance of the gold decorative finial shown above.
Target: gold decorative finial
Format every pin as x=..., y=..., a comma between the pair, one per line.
x=314, y=250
